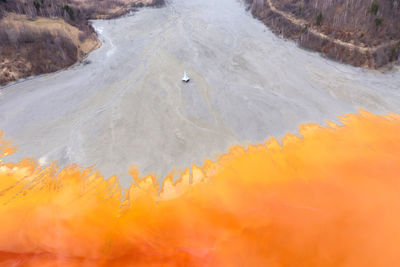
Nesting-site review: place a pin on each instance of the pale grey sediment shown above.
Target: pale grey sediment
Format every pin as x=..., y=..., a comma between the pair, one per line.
x=129, y=106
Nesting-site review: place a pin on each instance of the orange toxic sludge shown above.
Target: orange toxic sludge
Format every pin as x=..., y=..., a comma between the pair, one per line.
x=327, y=198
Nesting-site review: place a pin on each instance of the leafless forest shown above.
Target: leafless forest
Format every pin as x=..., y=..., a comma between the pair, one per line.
x=27, y=50
x=370, y=29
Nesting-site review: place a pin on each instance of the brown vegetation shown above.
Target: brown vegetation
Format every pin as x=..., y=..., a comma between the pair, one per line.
x=42, y=36
x=363, y=33
x=73, y=11
x=33, y=47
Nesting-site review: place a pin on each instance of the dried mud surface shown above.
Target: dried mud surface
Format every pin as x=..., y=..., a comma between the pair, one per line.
x=128, y=105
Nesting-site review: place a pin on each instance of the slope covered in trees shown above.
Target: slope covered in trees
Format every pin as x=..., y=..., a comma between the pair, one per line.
x=42, y=36
x=360, y=32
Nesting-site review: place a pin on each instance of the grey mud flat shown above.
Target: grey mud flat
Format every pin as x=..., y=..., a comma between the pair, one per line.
x=129, y=106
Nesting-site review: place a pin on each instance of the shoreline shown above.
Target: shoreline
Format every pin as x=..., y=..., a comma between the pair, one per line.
x=80, y=54
x=382, y=57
